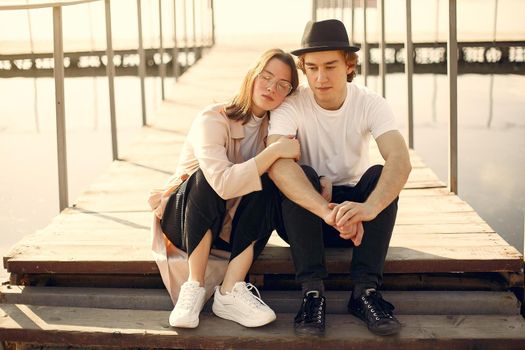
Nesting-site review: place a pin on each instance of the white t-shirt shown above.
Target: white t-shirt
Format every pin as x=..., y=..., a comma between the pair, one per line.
x=334, y=143
x=251, y=132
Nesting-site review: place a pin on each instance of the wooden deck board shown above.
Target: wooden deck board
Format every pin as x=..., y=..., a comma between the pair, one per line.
x=127, y=328
x=406, y=302
x=106, y=230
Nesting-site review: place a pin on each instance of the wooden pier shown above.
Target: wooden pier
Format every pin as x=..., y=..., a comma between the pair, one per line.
x=89, y=279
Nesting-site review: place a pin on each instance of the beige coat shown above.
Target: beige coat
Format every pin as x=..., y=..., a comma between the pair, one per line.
x=213, y=145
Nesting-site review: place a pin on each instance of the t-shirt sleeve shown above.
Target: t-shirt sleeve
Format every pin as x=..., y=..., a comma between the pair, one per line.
x=283, y=120
x=380, y=117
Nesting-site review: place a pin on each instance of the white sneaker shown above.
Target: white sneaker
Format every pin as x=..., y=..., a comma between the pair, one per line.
x=186, y=312
x=242, y=306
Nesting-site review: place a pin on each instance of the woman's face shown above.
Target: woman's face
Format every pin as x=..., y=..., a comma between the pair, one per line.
x=271, y=86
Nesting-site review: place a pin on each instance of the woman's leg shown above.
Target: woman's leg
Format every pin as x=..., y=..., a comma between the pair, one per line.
x=252, y=225
x=193, y=219
x=198, y=260
x=237, y=269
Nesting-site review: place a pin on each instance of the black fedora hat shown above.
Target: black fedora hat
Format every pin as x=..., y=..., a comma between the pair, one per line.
x=324, y=36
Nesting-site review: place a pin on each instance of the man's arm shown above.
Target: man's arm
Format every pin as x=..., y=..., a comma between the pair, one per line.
x=294, y=184
x=393, y=177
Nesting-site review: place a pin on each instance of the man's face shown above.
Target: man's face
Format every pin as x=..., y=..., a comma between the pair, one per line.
x=326, y=72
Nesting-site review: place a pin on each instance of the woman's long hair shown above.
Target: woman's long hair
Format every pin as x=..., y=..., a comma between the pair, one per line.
x=240, y=107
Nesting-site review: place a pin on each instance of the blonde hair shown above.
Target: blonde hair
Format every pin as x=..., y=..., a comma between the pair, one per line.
x=349, y=57
x=240, y=107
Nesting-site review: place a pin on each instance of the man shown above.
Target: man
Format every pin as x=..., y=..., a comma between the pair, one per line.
x=333, y=120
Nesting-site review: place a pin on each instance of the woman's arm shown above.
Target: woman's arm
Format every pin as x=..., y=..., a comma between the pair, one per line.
x=209, y=137
x=283, y=148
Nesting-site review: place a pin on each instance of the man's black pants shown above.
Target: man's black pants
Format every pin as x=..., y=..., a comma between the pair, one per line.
x=308, y=250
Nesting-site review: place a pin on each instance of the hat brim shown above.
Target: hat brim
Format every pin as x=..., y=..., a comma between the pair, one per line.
x=324, y=48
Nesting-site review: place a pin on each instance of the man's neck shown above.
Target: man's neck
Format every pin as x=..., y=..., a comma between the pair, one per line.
x=333, y=104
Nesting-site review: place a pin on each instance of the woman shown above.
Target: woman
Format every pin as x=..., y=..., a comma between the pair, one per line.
x=220, y=196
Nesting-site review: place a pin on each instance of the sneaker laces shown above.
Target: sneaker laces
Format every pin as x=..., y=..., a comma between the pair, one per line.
x=313, y=309
x=244, y=291
x=188, y=295
x=376, y=306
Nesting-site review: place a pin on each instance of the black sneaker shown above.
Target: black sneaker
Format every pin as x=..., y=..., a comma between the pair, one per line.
x=375, y=312
x=311, y=316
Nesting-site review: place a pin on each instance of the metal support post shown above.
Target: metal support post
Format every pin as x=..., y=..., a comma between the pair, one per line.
x=142, y=63
x=58, y=54
x=364, y=46
x=175, y=59
x=162, y=66
x=452, y=60
x=382, y=63
x=409, y=69
x=110, y=71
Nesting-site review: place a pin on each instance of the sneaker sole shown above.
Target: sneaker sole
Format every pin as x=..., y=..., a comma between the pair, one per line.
x=377, y=332
x=243, y=322
x=185, y=323
x=308, y=331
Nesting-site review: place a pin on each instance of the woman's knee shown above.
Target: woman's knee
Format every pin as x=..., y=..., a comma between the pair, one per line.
x=201, y=187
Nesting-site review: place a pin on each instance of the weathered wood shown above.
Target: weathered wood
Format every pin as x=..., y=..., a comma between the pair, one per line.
x=107, y=231
x=127, y=328
x=132, y=260
x=406, y=302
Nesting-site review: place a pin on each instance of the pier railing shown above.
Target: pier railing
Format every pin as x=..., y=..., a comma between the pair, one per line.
x=506, y=54
x=207, y=16
x=336, y=9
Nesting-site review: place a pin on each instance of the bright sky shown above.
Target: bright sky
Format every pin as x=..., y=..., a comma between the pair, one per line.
x=271, y=17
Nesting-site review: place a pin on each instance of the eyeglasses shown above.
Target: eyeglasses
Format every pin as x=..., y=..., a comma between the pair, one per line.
x=281, y=86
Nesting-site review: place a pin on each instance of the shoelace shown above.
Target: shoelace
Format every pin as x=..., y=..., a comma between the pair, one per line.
x=313, y=310
x=187, y=295
x=252, y=299
x=377, y=306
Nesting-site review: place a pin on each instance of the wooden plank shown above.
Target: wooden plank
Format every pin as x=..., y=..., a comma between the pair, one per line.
x=126, y=328
x=132, y=260
x=107, y=232
x=404, y=260
x=406, y=302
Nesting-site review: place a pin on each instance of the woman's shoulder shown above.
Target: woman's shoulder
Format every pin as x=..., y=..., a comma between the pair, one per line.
x=214, y=112
x=211, y=119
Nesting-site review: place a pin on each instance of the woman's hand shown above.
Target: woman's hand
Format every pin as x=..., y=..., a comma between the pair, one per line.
x=287, y=147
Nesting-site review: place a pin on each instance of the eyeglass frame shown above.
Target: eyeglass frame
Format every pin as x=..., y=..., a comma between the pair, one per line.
x=263, y=77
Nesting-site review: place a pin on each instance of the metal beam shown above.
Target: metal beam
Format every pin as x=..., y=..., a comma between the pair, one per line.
x=162, y=66
x=409, y=69
x=110, y=71
x=382, y=63
x=58, y=48
x=452, y=60
x=364, y=47
x=175, y=59
x=142, y=63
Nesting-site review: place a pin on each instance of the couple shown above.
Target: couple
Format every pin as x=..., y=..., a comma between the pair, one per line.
x=239, y=178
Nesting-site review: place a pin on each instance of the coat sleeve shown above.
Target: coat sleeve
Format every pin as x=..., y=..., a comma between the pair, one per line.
x=210, y=139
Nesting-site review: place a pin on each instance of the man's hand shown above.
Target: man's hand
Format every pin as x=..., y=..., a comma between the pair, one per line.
x=326, y=188
x=349, y=213
x=352, y=231
x=355, y=233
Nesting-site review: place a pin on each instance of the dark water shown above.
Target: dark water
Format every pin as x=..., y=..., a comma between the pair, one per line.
x=491, y=157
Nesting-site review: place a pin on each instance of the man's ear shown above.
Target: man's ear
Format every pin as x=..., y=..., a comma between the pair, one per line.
x=350, y=67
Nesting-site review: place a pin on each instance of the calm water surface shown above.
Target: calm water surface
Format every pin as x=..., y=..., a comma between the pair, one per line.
x=491, y=158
